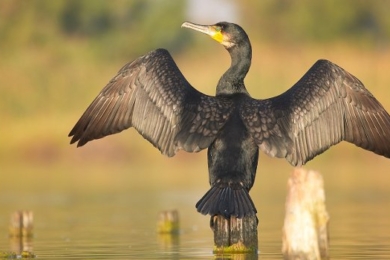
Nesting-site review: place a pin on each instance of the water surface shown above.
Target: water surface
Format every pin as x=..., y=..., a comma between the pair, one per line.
x=88, y=212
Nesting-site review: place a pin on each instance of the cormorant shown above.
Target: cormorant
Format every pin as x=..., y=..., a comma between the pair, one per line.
x=326, y=106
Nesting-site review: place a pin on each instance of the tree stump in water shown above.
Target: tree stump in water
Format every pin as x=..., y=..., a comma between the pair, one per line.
x=20, y=234
x=234, y=235
x=305, y=234
x=21, y=224
x=168, y=222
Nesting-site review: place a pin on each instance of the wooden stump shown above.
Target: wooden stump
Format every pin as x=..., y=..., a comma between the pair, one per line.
x=234, y=235
x=21, y=224
x=21, y=233
x=168, y=222
x=305, y=234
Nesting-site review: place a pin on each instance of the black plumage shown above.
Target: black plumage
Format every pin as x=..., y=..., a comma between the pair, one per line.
x=326, y=106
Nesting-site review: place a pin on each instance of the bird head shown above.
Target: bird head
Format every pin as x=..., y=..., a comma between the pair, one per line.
x=227, y=34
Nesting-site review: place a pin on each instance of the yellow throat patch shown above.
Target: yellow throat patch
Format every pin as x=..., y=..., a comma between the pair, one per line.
x=217, y=35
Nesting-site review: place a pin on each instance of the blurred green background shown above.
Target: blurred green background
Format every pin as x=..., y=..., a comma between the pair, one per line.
x=55, y=56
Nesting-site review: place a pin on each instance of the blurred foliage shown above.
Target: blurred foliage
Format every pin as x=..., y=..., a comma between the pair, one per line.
x=117, y=24
x=104, y=24
x=321, y=21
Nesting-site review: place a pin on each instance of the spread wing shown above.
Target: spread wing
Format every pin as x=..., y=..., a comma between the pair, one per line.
x=326, y=106
x=151, y=95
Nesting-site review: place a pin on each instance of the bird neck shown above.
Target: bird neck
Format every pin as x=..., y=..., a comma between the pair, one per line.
x=232, y=81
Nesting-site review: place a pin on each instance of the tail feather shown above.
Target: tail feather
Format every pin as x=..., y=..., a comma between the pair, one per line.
x=226, y=201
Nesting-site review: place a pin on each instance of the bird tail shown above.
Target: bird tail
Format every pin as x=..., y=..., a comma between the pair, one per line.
x=226, y=201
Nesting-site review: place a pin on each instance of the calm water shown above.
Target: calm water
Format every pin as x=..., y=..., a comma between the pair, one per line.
x=75, y=219
x=109, y=226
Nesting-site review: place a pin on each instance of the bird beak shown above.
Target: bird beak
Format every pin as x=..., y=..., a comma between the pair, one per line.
x=212, y=30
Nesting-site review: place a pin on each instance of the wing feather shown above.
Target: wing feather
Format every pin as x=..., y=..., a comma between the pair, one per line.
x=326, y=106
x=151, y=95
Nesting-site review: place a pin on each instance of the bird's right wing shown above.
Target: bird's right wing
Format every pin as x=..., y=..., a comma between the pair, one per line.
x=326, y=106
x=151, y=95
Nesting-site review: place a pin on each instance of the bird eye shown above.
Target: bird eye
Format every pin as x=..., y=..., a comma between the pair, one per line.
x=218, y=28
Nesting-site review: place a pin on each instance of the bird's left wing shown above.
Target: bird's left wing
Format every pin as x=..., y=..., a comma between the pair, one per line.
x=151, y=95
x=326, y=106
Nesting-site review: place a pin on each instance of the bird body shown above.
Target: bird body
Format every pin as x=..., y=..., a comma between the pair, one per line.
x=232, y=166
x=326, y=106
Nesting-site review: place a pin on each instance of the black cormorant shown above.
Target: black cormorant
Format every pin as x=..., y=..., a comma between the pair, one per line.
x=326, y=106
